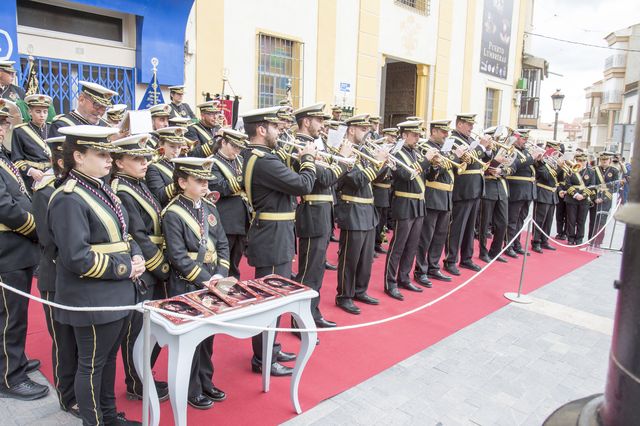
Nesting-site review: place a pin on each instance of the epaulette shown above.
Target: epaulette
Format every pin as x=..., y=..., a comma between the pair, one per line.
x=56, y=117
x=257, y=152
x=20, y=125
x=169, y=204
x=69, y=186
x=44, y=182
x=114, y=184
x=211, y=203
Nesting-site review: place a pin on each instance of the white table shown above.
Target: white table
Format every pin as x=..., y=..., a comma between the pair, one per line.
x=181, y=341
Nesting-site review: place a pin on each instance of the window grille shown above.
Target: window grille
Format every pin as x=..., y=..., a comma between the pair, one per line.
x=423, y=7
x=279, y=71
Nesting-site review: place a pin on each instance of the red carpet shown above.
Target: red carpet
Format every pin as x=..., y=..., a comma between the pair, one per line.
x=343, y=359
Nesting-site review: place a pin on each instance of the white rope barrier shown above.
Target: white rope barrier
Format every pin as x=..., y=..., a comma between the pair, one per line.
x=611, y=217
x=211, y=320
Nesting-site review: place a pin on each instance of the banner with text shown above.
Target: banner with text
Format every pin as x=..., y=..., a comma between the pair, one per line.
x=496, y=37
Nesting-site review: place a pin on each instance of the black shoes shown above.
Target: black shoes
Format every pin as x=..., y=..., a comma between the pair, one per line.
x=348, y=306
x=73, y=410
x=394, y=293
x=501, y=259
x=277, y=369
x=520, y=250
x=467, y=264
x=380, y=249
x=162, y=388
x=410, y=287
x=437, y=275
x=537, y=248
x=215, y=394
x=330, y=267
x=546, y=246
x=33, y=365
x=365, y=298
x=452, y=269
x=324, y=323
x=121, y=420
x=511, y=253
x=561, y=237
x=423, y=280
x=201, y=402
x=282, y=356
x=27, y=390
x=485, y=258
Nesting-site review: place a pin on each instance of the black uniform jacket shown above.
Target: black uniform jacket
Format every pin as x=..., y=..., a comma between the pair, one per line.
x=182, y=110
x=382, y=189
x=408, y=192
x=314, y=214
x=12, y=92
x=204, y=138
x=233, y=205
x=28, y=148
x=521, y=177
x=355, y=210
x=48, y=251
x=439, y=184
x=18, y=248
x=93, y=263
x=601, y=176
x=71, y=119
x=197, y=247
x=469, y=184
x=144, y=226
x=577, y=183
x=270, y=186
x=159, y=179
x=547, y=181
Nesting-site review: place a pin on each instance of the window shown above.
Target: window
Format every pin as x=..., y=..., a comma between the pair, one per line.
x=55, y=18
x=630, y=115
x=529, y=103
x=423, y=7
x=492, y=108
x=279, y=71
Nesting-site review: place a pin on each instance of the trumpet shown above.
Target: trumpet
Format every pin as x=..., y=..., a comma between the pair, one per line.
x=337, y=158
x=446, y=162
x=392, y=160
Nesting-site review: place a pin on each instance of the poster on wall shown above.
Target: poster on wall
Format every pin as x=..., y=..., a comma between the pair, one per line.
x=496, y=37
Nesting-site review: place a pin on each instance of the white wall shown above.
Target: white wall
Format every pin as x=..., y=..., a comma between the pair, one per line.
x=456, y=66
x=286, y=18
x=346, y=52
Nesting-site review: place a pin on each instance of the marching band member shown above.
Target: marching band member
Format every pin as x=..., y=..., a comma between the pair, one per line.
x=203, y=133
x=314, y=214
x=18, y=257
x=547, y=182
x=604, y=174
x=198, y=251
x=270, y=186
x=63, y=350
x=159, y=120
x=521, y=177
x=357, y=219
x=407, y=210
x=115, y=114
x=8, y=90
x=171, y=143
x=336, y=113
x=438, y=196
x=130, y=167
x=179, y=108
x=29, y=151
x=93, y=101
x=381, y=195
x=561, y=206
x=578, y=199
x=96, y=264
x=467, y=191
x=232, y=205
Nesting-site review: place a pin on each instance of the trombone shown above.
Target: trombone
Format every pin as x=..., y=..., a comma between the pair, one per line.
x=392, y=159
x=327, y=156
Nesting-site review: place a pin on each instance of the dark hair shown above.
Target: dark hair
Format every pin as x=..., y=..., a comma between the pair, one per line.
x=177, y=174
x=251, y=129
x=68, y=148
x=55, y=156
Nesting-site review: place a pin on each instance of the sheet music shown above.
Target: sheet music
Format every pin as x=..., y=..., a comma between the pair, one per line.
x=448, y=144
x=335, y=137
x=139, y=121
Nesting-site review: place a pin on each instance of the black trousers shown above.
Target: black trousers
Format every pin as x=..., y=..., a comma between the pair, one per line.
x=382, y=222
x=402, y=252
x=433, y=237
x=133, y=327
x=312, y=254
x=64, y=355
x=236, y=249
x=461, y=229
x=576, y=219
x=95, y=378
x=493, y=213
x=543, y=215
x=284, y=270
x=561, y=217
x=13, y=320
x=518, y=211
x=201, y=376
x=355, y=258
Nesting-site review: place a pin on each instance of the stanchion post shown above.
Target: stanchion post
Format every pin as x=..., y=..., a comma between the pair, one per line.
x=146, y=362
x=519, y=297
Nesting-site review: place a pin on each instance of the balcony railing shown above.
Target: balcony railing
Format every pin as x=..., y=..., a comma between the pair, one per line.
x=615, y=61
x=612, y=97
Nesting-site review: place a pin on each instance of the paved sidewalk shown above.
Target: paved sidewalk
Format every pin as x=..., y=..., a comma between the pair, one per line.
x=513, y=367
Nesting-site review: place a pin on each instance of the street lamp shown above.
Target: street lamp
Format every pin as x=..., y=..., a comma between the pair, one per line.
x=557, y=99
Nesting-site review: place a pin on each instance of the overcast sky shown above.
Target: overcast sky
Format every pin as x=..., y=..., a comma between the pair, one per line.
x=587, y=21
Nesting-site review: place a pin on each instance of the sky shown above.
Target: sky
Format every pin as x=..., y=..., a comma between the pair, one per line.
x=586, y=21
